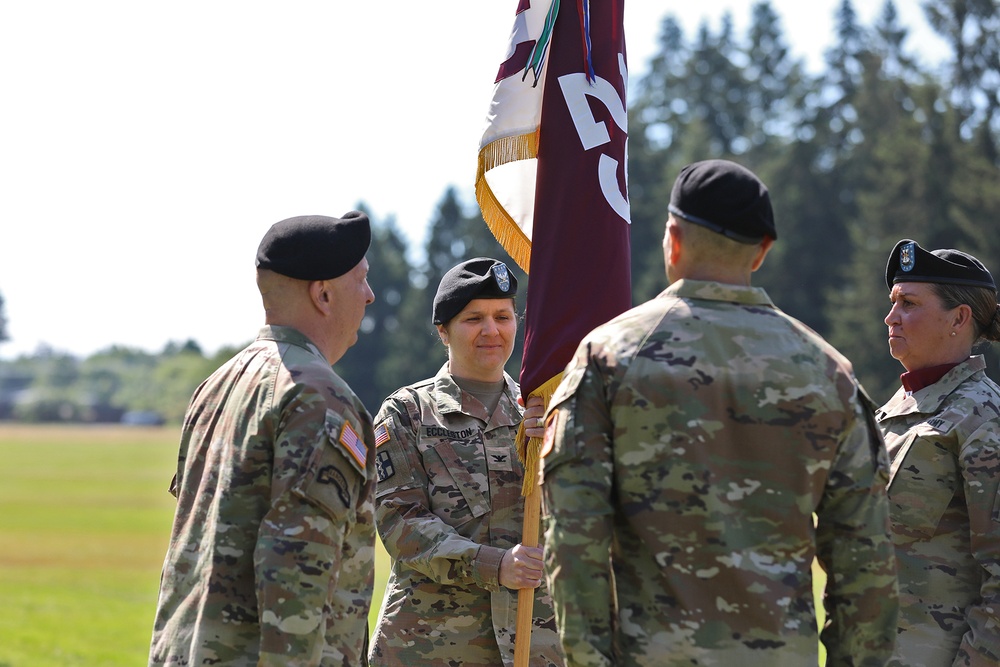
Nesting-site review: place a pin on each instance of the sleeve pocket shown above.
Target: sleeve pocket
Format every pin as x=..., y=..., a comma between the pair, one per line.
x=559, y=444
x=334, y=479
x=392, y=462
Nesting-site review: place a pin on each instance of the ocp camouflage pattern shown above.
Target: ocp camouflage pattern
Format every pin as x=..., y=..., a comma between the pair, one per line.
x=944, y=498
x=694, y=439
x=271, y=556
x=449, y=506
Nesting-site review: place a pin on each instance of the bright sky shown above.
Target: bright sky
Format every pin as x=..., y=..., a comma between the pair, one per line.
x=146, y=146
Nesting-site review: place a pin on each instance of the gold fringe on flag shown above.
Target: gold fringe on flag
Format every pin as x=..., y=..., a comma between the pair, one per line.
x=529, y=449
x=506, y=230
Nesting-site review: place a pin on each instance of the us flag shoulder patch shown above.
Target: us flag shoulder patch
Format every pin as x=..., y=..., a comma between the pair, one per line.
x=382, y=434
x=350, y=440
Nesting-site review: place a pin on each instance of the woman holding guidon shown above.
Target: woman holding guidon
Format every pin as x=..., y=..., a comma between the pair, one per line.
x=449, y=504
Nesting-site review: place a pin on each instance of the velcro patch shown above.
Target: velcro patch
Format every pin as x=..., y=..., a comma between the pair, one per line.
x=383, y=466
x=330, y=475
x=352, y=443
x=942, y=425
x=382, y=434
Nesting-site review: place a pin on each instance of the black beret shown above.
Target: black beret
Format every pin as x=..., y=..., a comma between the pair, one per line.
x=725, y=197
x=315, y=247
x=479, y=278
x=909, y=263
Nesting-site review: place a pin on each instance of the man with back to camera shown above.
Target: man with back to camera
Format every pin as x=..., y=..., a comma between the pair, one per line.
x=271, y=555
x=689, y=446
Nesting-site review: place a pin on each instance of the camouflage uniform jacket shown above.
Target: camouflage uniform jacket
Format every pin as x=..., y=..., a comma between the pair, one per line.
x=693, y=439
x=271, y=555
x=944, y=447
x=449, y=506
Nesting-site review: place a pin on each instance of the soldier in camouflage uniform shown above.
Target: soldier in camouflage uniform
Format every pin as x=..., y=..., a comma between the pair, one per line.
x=271, y=555
x=942, y=431
x=450, y=509
x=688, y=448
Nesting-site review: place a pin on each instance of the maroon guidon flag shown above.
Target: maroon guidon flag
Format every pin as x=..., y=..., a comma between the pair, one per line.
x=552, y=179
x=552, y=187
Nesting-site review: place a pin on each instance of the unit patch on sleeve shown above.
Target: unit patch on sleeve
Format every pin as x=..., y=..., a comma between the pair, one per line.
x=330, y=475
x=383, y=466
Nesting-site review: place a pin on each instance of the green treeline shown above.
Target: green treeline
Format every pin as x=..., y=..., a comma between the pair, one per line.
x=876, y=147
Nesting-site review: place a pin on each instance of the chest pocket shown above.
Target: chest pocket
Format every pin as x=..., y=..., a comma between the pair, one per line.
x=924, y=479
x=460, y=498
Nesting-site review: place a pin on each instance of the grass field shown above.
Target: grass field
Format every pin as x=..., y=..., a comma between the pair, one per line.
x=84, y=522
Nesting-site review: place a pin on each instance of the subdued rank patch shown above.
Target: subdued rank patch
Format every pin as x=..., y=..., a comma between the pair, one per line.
x=349, y=439
x=383, y=466
x=331, y=475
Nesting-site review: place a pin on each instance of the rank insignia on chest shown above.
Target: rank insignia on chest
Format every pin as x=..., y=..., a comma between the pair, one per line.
x=383, y=466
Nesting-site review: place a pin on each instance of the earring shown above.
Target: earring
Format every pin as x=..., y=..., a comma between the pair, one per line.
x=952, y=333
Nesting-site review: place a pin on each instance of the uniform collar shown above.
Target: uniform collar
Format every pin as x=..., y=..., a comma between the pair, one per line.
x=713, y=291
x=290, y=336
x=929, y=399
x=916, y=380
x=450, y=398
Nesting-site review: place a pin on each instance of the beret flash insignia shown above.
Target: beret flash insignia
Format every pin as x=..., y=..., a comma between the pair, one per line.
x=907, y=256
x=502, y=277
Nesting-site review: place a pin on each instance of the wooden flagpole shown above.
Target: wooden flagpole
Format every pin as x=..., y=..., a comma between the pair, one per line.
x=529, y=538
x=529, y=451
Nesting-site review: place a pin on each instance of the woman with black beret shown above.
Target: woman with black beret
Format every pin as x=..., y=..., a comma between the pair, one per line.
x=449, y=505
x=942, y=431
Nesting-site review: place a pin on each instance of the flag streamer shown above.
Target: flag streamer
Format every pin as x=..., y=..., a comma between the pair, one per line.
x=536, y=61
x=583, y=7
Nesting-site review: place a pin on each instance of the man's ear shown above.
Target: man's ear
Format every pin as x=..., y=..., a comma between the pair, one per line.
x=762, y=251
x=676, y=235
x=320, y=295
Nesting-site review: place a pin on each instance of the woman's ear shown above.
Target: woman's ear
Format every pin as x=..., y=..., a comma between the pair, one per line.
x=962, y=316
